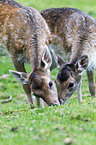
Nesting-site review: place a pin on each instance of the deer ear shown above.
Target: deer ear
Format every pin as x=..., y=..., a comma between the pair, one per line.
x=46, y=58
x=82, y=63
x=58, y=59
x=20, y=76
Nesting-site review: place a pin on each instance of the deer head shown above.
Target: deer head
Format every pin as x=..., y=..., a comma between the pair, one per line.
x=40, y=80
x=69, y=77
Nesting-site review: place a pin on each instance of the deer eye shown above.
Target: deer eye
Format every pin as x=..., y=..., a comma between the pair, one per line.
x=70, y=85
x=50, y=84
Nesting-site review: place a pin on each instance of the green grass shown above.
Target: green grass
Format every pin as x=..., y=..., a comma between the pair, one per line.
x=88, y=6
x=20, y=125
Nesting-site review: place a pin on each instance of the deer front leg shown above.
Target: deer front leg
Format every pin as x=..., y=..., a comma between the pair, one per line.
x=38, y=102
x=20, y=67
x=91, y=81
x=79, y=92
x=27, y=90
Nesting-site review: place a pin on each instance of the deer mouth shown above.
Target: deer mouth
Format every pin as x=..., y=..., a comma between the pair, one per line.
x=55, y=103
x=63, y=101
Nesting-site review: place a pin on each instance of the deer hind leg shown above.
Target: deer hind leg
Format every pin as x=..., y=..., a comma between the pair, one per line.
x=79, y=92
x=91, y=81
x=20, y=67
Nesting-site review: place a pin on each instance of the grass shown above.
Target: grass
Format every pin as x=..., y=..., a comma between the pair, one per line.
x=72, y=123
x=88, y=6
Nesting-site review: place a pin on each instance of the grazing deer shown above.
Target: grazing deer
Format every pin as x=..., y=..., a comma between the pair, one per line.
x=25, y=34
x=74, y=38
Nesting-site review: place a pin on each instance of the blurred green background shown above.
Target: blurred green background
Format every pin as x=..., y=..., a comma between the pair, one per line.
x=88, y=6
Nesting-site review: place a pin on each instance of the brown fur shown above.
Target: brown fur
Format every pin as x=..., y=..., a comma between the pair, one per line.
x=74, y=34
x=25, y=34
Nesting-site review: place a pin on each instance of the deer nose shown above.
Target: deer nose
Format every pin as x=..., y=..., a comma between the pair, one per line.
x=62, y=101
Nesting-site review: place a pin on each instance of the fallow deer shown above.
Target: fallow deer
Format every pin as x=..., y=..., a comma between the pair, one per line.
x=74, y=38
x=25, y=34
